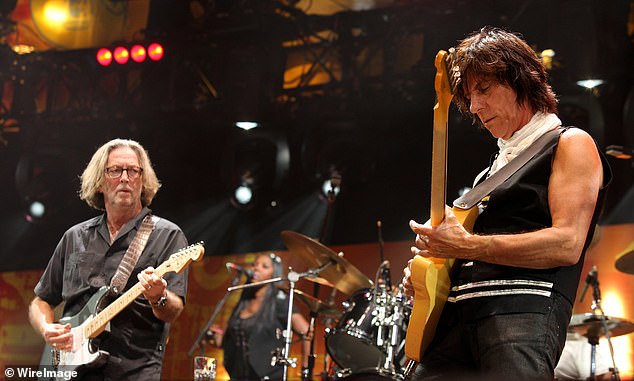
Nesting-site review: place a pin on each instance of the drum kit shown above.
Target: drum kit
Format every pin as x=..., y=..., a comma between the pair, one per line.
x=366, y=339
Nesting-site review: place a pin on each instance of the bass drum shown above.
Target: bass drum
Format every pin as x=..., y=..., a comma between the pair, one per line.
x=352, y=344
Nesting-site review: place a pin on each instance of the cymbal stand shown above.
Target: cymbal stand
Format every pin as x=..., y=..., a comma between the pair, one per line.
x=391, y=320
x=199, y=340
x=594, y=341
x=394, y=335
x=292, y=277
x=307, y=373
x=328, y=323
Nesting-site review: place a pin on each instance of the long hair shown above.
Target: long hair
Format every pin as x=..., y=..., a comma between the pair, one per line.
x=94, y=175
x=268, y=310
x=505, y=57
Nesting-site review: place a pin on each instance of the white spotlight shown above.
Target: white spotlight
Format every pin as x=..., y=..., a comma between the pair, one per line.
x=243, y=194
x=590, y=83
x=247, y=125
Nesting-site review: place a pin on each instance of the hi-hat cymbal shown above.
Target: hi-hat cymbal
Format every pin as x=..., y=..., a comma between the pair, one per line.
x=591, y=326
x=340, y=273
x=625, y=260
x=315, y=305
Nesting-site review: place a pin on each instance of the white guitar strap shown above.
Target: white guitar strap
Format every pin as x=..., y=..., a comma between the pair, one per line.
x=131, y=257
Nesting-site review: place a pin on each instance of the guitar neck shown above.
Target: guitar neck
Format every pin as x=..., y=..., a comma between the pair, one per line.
x=445, y=82
x=439, y=165
x=99, y=321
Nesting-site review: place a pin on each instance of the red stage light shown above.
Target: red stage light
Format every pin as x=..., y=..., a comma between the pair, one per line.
x=155, y=51
x=104, y=57
x=121, y=55
x=138, y=54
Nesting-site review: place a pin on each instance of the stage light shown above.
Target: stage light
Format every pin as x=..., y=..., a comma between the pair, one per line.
x=331, y=187
x=138, y=53
x=247, y=125
x=104, y=57
x=121, y=55
x=55, y=13
x=547, y=56
x=44, y=179
x=155, y=51
x=243, y=194
x=590, y=83
x=36, y=211
x=255, y=165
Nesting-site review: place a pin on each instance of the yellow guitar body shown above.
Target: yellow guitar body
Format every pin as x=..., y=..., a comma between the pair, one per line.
x=430, y=278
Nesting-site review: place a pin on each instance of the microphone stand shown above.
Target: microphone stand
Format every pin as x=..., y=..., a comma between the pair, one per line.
x=199, y=340
x=307, y=374
x=594, y=341
x=292, y=278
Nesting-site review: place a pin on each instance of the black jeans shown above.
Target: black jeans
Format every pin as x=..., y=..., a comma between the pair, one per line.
x=518, y=346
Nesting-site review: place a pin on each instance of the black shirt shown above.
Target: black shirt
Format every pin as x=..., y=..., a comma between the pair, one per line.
x=85, y=260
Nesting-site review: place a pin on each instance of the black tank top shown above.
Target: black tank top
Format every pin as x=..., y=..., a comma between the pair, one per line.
x=518, y=205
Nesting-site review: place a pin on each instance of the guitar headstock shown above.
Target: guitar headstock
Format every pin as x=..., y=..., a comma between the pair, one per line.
x=447, y=76
x=179, y=260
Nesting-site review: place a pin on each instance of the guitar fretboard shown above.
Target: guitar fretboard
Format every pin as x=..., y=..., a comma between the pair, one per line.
x=176, y=262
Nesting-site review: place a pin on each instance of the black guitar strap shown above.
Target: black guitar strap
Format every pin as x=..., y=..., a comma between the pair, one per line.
x=475, y=195
x=131, y=257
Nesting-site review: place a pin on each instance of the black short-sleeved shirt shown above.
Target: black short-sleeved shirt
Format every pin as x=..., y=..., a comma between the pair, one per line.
x=85, y=260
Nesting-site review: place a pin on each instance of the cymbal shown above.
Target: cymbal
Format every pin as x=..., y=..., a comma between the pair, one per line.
x=319, y=280
x=625, y=260
x=315, y=305
x=341, y=274
x=590, y=325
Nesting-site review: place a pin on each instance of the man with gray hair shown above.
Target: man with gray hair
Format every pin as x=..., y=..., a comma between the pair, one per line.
x=120, y=180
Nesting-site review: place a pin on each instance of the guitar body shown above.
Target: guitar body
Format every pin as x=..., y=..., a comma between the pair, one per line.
x=431, y=281
x=85, y=353
x=93, y=318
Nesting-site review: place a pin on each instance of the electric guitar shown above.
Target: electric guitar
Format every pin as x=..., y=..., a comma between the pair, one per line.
x=430, y=276
x=91, y=321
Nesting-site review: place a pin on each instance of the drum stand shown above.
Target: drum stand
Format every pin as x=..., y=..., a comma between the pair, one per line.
x=593, y=339
x=391, y=320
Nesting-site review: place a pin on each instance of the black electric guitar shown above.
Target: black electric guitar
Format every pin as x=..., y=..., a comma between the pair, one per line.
x=430, y=276
x=91, y=321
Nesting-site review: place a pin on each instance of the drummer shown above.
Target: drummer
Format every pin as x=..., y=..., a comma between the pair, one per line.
x=255, y=326
x=575, y=360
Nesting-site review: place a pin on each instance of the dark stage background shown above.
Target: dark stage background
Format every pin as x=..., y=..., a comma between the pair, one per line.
x=336, y=86
x=339, y=87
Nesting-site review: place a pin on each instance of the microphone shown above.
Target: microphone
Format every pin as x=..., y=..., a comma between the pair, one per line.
x=590, y=279
x=240, y=269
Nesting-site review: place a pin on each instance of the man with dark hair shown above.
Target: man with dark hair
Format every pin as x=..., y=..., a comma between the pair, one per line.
x=515, y=277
